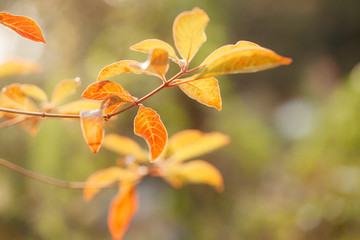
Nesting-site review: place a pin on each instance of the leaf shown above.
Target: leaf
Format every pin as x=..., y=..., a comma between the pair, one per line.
x=104, y=90
x=92, y=126
x=196, y=171
x=64, y=89
x=14, y=97
x=182, y=147
x=34, y=92
x=103, y=178
x=243, y=60
x=24, y=26
x=121, y=211
x=205, y=90
x=18, y=66
x=148, y=45
x=77, y=106
x=148, y=125
x=124, y=146
x=226, y=49
x=188, y=32
x=157, y=63
x=114, y=69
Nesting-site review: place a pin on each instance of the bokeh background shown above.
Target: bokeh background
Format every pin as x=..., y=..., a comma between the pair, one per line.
x=292, y=169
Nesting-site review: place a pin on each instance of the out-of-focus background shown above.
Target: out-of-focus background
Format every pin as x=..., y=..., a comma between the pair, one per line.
x=292, y=169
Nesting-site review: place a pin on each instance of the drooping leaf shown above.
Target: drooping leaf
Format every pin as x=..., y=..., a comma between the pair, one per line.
x=34, y=92
x=148, y=45
x=243, y=60
x=228, y=48
x=205, y=90
x=103, y=178
x=18, y=66
x=184, y=147
x=64, y=89
x=122, y=209
x=114, y=69
x=124, y=146
x=148, y=125
x=104, y=90
x=188, y=32
x=157, y=63
x=24, y=26
x=77, y=106
x=196, y=171
x=92, y=126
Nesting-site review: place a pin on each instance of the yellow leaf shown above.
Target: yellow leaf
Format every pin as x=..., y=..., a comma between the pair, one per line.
x=114, y=69
x=188, y=32
x=148, y=45
x=227, y=48
x=196, y=171
x=92, y=126
x=157, y=63
x=124, y=146
x=64, y=89
x=243, y=60
x=34, y=92
x=205, y=90
x=18, y=66
x=184, y=147
x=77, y=106
x=103, y=178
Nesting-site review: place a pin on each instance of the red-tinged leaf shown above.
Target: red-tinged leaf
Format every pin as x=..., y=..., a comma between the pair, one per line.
x=77, y=106
x=124, y=146
x=34, y=92
x=92, y=126
x=103, y=178
x=106, y=89
x=148, y=45
x=157, y=63
x=114, y=69
x=148, y=125
x=205, y=90
x=24, y=26
x=113, y=104
x=228, y=48
x=121, y=211
x=188, y=32
x=191, y=144
x=243, y=60
x=18, y=66
x=64, y=89
x=196, y=171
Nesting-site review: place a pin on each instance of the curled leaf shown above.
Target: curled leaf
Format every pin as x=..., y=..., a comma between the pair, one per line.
x=196, y=171
x=243, y=60
x=64, y=89
x=157, y=63
x=122, y=209
x=24, y=26
x=92, y=126
x=188, y=32
x=148, y=125
x=204, y=90
x=18, y=66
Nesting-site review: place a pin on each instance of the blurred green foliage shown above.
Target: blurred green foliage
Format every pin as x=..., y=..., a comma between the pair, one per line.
x=279, y=185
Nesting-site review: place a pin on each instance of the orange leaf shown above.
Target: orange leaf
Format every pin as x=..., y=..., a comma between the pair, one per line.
x=122, y=209
x=228, y=48
x=196, y=171
x=103, y=178
x=157, y=63
x=14, y=97
x=205, y=90
x=64, y=89
x=190, y=144
x=188, y=32
x=18, y=66
x=106, y=89
x=124, y=146
x=24, y=26
x=34, y=92
x=77, y=106
x=148, y=45
x=114, y=69
x=148, y=125
x=243, y=60
x=92, y=126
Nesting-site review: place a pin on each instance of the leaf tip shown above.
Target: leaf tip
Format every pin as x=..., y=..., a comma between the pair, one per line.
x=287, y=60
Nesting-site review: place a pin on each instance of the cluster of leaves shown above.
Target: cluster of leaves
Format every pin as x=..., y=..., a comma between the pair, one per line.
x=105, y=99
